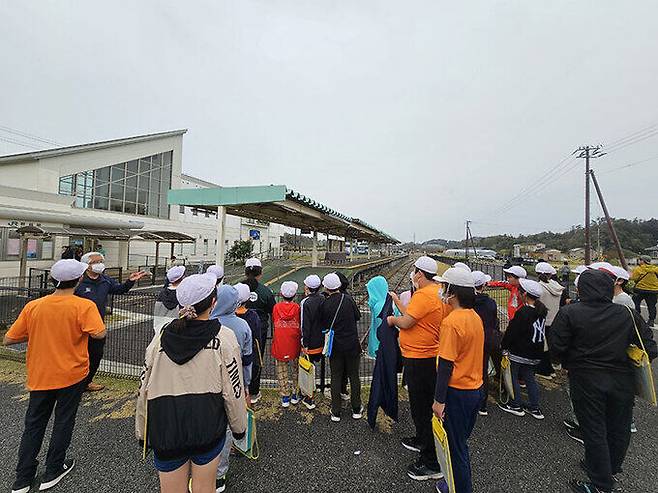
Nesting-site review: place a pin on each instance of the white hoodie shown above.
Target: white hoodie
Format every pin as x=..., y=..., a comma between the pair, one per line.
x=550, y=297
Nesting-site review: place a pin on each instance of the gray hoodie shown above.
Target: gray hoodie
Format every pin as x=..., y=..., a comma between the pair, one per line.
x=224, y=311
x=550, y=297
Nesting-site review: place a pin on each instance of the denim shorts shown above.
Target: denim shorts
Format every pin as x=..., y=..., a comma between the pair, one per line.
x=198, y=460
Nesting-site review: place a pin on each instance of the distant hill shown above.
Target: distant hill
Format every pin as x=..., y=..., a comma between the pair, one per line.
x=634, y=234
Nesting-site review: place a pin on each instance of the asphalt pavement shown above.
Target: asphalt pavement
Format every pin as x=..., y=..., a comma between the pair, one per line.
x=303, y=451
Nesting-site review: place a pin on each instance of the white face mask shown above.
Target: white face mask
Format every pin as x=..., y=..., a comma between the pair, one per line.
x=412, y=276
x=98, y=268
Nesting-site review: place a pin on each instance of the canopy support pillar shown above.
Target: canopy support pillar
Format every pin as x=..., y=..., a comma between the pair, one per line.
x=314, y=251
x=221, y=235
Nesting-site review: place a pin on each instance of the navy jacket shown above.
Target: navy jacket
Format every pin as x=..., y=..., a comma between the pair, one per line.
x=97, y=290
x=384, y=387
x=488, y=310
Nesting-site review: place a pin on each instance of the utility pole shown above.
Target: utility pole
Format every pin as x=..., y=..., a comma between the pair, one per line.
x=466, y=240
x=587, y=153
x=611, y=226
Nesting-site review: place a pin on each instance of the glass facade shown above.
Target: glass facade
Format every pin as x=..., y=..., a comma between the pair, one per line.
x=135, y=187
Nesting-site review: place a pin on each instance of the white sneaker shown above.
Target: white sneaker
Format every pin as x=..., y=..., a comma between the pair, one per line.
x=335, y=419
x=359, y=414
x=256, y=398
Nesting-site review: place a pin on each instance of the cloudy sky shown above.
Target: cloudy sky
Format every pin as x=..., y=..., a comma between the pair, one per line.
x=412, y=115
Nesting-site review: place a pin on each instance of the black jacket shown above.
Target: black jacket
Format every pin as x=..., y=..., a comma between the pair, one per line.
x=487, y=309
x=595, y=333
x=346, y=338
x=525, y=333
x=312, y=326
x=262, y=302
x=97, y=290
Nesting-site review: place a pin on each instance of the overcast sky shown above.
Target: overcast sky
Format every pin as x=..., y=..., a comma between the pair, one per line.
x=413, y=116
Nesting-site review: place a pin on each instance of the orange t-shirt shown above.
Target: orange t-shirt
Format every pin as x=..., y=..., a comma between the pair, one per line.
x=57, y=330
x=462, y=342
x=422, y=339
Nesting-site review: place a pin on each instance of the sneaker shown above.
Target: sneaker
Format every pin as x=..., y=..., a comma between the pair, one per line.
x=584, y=487
x=420, y=472
x=483, y=412
x=334, y=418
x=50, y=480
x=535, y=413
x=285, y=401
x=570, y=424
x=220, y=484
x=515, y=410
x=633, y=427
x=21, y=487
x=522, y=384
x=545, y=377
x=294, y=399
x=345, y=397
x=411, y=443
x=358, y=414
x=256, y=397
x=309, y=403
x=94, y=387
x=615, y=477
x=557, y=366
x=575, y=434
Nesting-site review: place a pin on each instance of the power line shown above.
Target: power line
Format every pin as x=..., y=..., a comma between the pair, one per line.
x=634, y=141
x=27, y=135
x=18, y=142
x=629, y=165
x=634, y=134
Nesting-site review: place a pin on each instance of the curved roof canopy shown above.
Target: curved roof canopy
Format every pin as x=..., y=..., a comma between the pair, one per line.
x=279, y=204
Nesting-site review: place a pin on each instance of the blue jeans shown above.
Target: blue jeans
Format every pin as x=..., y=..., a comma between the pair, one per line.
x=460, y=416
x=527, y=374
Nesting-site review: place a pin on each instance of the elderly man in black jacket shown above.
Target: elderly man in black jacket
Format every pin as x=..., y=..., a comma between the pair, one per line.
x=591, y=338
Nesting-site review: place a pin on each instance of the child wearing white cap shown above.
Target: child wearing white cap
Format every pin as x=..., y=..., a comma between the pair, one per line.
x=286, y=343
x=524, y=343
x=551, y=296
x=312, y=328
x=165, y=308
x=56, y=328
x=513, y=274
x=195, y=388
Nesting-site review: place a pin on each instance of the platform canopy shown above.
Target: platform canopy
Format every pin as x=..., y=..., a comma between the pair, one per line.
x=281, y=205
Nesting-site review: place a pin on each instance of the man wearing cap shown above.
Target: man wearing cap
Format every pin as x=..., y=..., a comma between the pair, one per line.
x=56, y=328
x=165, y=308
x=645, y=277
x=419, y=343
x=97, y=286
x=262, y=301
x=513, y=274
x=312, y=329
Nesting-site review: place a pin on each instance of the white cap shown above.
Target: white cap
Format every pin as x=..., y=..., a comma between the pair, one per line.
x=87, y=256
x=604, y=266
x=621, y=273
x=533, y=288
x=312, y=281
x=461, y=265
x=253, y=262
x=195, y=288
x=545, y=268
x=244, y=293
x=456, y=277
x=331, y=281
x=176, y=272
x=427, y=264
x=67, y=270
x=217, y=270
x=480, y=278
x=289, y=289
x=579, y=270
x=517, y=270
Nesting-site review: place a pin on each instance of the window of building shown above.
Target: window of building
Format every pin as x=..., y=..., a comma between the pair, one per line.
x=136, y=187
x=37, y=248
x=205, y=246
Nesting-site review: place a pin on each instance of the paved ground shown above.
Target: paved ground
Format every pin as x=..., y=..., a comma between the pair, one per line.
x=304, y=451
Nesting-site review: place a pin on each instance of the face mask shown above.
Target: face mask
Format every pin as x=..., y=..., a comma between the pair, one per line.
x=444, y=295
x=413, y=280
x=98, y=268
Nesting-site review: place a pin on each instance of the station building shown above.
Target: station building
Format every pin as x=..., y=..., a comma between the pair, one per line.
x=112, y=195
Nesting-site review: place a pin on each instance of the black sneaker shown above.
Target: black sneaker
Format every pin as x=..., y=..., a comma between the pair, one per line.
x=420, y=472
x=515, y=410
x=615, y=477
x=535, y=413
x=220, y=484
x=576, y=434
x=411, y=443
x=50, y=480
x=584, y=487
x=570, y=424
x=21, y=487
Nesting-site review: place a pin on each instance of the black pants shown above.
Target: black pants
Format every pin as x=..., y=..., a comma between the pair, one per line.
x=603, y=402
x=651, y=297
x=318, y=358
x=256, y=369
x=421, y=382
x=345, y=365
x=461, y=414
x=95, y=348
x=42, y=402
